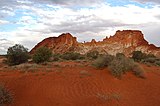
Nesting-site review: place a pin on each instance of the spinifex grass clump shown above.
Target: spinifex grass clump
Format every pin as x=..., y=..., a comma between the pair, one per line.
x=5, y=96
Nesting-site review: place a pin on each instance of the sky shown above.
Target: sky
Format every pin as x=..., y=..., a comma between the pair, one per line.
x=28, y=22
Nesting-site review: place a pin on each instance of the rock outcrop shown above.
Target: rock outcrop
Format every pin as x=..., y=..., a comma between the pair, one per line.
x=125, y=41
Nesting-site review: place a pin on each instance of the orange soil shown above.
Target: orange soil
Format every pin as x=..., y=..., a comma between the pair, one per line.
x=73, y=84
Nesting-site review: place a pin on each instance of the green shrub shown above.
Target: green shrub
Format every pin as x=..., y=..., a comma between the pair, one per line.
x=138, y=55
x=120, y=56
x=149, y=60
x=138, y=71
x=56, y=57
x=5, y=96
x=103, y=61
x=150, y=56
x=17, y=54
x=71, y=56
x=93, y=54
x=119, y=65
x=42, y=54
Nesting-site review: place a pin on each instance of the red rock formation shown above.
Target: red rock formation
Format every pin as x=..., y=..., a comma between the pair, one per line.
x=65, y=42
x=125, y=41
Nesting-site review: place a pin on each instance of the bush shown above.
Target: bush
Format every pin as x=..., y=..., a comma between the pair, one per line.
x=93, y=54
x=17, y=54
x=151, y=59
x=157, y=63
x=71, y=56
x=138, y=71
x=42, y=54
x=56, y=57
x=5, y=96
x=138, y=55
x=120, y=66
x=103, y=61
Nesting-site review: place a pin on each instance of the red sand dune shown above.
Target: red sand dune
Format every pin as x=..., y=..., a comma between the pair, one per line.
x=76, y=84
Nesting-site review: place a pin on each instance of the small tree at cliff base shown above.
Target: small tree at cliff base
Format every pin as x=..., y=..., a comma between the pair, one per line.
x=42, y=54
x=17, y=54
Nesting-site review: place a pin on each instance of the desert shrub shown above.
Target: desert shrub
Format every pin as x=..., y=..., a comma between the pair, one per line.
x=56, y=57
x=120, y=55
x=138, y=71
x=103, y=61
x=150, y=56
x=17, y=54
x=149, y=60
x=5, y=96
x=71, y=56
x=93, y=54
x=138, y=55
x=157, y=63
x=41, y=55
x=120, y=66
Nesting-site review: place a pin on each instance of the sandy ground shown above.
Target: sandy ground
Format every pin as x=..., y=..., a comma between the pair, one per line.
x=79, y=84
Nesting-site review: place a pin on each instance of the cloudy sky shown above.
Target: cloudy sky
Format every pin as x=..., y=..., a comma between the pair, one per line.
x=27, y=22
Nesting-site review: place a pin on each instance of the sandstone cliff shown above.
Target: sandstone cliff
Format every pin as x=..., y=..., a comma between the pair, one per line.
x=125, y=41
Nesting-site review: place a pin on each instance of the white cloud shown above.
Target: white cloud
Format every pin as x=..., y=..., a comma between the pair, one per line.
x=3, y=22
x=4, y=45
x=148, y=1
x=53, y=17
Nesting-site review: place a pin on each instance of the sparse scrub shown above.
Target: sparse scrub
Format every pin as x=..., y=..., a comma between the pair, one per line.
x=17, y=54
x=93, y=54
x=56, y=57
x=5, y=96
x=41, y=55
x=138, y=71
x=149, y=60
x=157, y=63
x=103, y=61
x=145, y=58
x=152, y=60
x=71, y=56
x=138, y=56
x=84, y=73
x=109, y=96
x=120, y=65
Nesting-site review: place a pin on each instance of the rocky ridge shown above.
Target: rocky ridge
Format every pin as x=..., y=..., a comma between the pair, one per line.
x=125, y=41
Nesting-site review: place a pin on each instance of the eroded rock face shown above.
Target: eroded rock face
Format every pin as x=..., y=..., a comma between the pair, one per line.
x=65, y=42
x=125, y=41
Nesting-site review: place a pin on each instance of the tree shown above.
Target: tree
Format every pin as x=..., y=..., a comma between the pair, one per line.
x=42, y=54
x=17, y=54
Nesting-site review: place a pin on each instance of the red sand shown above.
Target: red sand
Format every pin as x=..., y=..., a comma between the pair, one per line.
x=73, y=84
